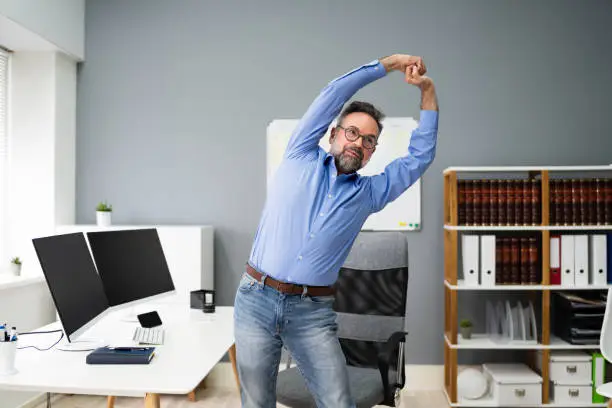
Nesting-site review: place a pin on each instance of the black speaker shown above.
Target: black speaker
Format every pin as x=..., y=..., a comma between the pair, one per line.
x=203, y=300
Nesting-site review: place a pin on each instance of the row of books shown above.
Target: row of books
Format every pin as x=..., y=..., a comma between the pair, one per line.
x=490, y=260
x=580, y=201
x=575, y=260
x=499, y=202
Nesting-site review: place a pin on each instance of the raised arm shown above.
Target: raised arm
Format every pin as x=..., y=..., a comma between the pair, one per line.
x=401, y=173
x=313, y=125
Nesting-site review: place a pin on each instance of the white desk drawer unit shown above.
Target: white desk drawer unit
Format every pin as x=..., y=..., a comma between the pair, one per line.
x=572, y=394
x=513, y=384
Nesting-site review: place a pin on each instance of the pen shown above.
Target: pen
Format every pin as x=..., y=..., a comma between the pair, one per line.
x=13, y=334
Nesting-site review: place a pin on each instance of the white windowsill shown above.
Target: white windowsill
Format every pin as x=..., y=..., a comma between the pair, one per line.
x=8, y=281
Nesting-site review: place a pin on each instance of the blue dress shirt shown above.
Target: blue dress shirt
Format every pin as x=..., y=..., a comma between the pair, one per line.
x=312, y=215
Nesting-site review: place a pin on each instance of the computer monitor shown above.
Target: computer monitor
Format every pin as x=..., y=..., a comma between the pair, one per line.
x=132, y=267
x=75, y=286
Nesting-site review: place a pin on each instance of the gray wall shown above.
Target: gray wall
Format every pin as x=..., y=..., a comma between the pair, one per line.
x=175, y=96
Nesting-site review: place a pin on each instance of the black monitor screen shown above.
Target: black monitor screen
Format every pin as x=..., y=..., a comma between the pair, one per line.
x=131, y=264
x=75, y=285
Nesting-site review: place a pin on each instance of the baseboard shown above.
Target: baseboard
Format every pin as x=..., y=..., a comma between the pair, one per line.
x=418, y=377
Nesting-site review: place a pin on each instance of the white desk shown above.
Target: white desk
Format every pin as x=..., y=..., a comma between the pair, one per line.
x=194, y=343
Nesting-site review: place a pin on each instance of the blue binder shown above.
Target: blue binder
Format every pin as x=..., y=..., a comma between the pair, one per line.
x=121, y=355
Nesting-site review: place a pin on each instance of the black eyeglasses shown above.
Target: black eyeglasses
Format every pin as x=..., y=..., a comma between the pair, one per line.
x=352, y=134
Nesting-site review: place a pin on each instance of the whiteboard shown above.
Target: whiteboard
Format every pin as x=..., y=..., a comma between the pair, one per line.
x=403, y=214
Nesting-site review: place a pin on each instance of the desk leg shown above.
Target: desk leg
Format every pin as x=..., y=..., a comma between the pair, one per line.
x=192, y=395
x=610, y=403
x=152, y=401
x=110, y=401
x=232, y=356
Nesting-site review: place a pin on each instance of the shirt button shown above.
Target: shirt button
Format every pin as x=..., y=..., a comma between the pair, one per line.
x=311, y=235
x=300, y=258
x=329, y=196
x=321, y=214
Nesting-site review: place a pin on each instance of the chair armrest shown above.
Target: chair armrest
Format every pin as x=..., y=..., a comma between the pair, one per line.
x=395, y=342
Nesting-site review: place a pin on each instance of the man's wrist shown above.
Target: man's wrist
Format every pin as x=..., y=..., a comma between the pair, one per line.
x=390, y=63
x=427, y=85
x=429, y=100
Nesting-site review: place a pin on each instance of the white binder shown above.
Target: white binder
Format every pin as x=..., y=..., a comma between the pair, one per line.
x=581, y=260
x=599, y=260
x=567, y=260
x=487, y=260
x=469, y=248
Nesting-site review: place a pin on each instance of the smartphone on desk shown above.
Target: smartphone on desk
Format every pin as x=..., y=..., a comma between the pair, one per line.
x=149, y=319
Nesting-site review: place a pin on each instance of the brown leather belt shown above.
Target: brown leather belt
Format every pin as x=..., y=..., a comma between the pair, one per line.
x=290, y=288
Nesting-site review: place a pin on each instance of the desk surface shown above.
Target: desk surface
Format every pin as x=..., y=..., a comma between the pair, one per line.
x=194, y=342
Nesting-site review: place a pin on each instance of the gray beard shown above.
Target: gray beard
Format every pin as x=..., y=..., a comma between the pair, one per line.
x=346, y=163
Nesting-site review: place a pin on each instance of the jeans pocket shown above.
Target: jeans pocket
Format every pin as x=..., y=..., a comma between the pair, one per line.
x=247, y=283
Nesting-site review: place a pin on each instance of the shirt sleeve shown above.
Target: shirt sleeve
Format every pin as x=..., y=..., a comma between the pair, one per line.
x=326, y=107
x=402, y=172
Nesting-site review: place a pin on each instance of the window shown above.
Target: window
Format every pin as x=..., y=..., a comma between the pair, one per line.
x=4, y=62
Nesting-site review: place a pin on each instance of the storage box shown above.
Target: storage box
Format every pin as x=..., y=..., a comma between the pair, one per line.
x=514, y=384
x=572, y=394
x=571, y=367
x=568, y=367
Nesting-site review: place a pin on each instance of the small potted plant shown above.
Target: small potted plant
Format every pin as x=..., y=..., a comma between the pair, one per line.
x=103, y=214
x=466, y=328
x=16, y=266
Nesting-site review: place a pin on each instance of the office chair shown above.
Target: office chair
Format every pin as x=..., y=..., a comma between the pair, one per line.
x=371, y=305
x=605, y=344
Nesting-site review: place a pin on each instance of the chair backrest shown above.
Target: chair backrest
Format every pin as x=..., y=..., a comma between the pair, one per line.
x=605, y=339
x=371, y=295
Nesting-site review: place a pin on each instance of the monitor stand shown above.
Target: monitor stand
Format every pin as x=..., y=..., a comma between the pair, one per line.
x=81, y=345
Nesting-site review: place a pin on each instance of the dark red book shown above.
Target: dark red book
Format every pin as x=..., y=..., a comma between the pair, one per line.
x=461, y=202
x=524, y=260
x=493, y=187
x=526, y=201
x=515, y=260
x=536, y=206
x=485, y=204
x=510, y=220
x=534, y=262
x=501, y=203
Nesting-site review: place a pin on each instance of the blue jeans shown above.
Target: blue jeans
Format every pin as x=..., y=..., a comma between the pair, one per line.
x=265, y=321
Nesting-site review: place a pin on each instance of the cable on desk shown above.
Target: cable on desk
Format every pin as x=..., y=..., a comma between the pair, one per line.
x=42, y=332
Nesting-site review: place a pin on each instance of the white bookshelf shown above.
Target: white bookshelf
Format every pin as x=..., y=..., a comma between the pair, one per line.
x=527, y=227
x=522, y=169
x=489, y=402
x=462, y=286
x=452, y=232
x=480, y=341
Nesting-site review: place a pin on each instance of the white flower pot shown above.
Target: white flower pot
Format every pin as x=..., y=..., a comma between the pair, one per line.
x=103, y=218
x=15, y=269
